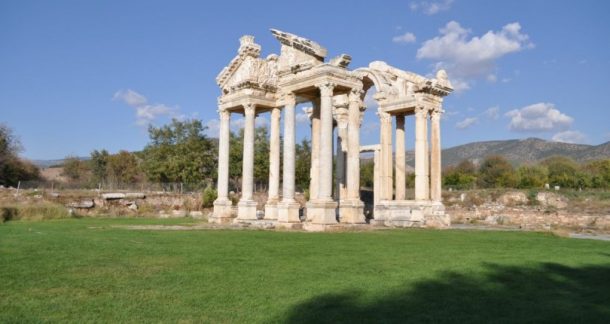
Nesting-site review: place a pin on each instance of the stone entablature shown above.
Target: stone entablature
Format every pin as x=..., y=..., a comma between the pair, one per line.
x=251, y=85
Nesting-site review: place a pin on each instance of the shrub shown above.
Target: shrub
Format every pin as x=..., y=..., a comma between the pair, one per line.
x=208, y=196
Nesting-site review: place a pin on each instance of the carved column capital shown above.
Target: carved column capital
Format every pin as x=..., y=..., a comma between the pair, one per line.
x=435, y=114
x=384, y=117
x=289, y=98
x=421, y=112
x=249, y=109
x=224, y=114
x=355, y=95
x=326, y=88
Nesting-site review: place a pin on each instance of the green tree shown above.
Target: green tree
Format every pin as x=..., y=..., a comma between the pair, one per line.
x=562, y=171
x=99, y=165
x=75, y=169
x=532, y=176
x=462, y=176
x=599, y=173
x=236, y=152
x=367, y=174
x=123, y=168
x=302, y=164
x=12, y=168
x=261, y=156
x=497, y=172
x=179, y=152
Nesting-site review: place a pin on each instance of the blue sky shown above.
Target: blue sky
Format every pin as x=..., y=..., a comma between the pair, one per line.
x=82, y=75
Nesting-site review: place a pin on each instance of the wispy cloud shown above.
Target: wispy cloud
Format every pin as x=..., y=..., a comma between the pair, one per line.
x=466, y=122
x=538, y=117
x=404, y=38
x=146, y=113
x=492, y=113
x=570, y=136
x=431, y=7
x=467, y=58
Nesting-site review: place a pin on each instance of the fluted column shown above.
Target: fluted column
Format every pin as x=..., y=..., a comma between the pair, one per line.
x=386, y=154
x=222, y=205
x=400, y=158
x=223, y=155
x=326, y=142
x=246, y=208
x=435, y=158
x=421, y=182
x=288, y=209
x=353, y=150
x=352, y=208
x=289, y=148
x=427, y=155
x=322, y=210
x=274, y=165
x=315, y=150
x=247, y=178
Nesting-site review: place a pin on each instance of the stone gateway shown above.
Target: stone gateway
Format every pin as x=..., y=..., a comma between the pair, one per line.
x=251, y=85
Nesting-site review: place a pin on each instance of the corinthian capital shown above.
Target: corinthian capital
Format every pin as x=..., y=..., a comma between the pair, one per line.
x=224, y=114
x=436, y=113
x=249, y=109
x=326, y=88
x=421, y=112
x=289, y=98
x=384, y=117
x=355, y=95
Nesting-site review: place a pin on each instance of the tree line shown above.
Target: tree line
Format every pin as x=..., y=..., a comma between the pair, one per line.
x=497, y=172
x=180, y=152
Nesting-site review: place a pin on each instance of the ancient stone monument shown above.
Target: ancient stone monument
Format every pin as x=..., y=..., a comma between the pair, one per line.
x=251, y=85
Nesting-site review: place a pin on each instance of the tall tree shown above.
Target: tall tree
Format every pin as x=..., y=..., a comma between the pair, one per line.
x=99, y=165
x=179, y=152
x=123, y=168
x=496, y=172
x=12, y=168
x=302, y=164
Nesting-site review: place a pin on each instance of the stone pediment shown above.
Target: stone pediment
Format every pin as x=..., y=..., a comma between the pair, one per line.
x=248, y=70
x=298, y=53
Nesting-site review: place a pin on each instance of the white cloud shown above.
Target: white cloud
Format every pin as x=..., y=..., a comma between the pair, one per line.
x=431, y=7
x=466, y=58
x=404, y=38
x=369, y=101
x=538, y=117
x=146, y=113
x=467, y=122
x=493, y=112
x=303, y=117
x=569, y=136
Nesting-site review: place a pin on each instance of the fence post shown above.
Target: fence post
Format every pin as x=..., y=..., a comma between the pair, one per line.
x=18, y=186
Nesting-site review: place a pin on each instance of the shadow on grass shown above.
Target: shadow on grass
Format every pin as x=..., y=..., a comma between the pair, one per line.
x=546, y=293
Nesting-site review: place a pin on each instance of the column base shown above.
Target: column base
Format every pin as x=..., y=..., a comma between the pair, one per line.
x=351, y=212
x=322, y=212
x=246, y=210
x=223, y=211
x=288, y=212
x=271, y=209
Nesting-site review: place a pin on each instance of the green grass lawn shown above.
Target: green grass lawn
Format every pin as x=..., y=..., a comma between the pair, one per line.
x=79, y=270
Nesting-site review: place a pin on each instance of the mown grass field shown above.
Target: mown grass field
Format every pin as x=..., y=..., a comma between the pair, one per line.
x=88, y=270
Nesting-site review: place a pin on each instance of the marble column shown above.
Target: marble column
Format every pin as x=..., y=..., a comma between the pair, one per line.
x=435, y=158
x=386, y=154
x=315, y=150
x=427, y=155
x=246, y=208
x=222, y=204
x=323, y=209
x=274, y=165
x=352, y=208
x=421, y=183
x=400, y=158
x=288, y=209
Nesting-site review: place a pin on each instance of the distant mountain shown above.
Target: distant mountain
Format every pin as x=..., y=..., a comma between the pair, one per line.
x=524, y=151
x=49, y=163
